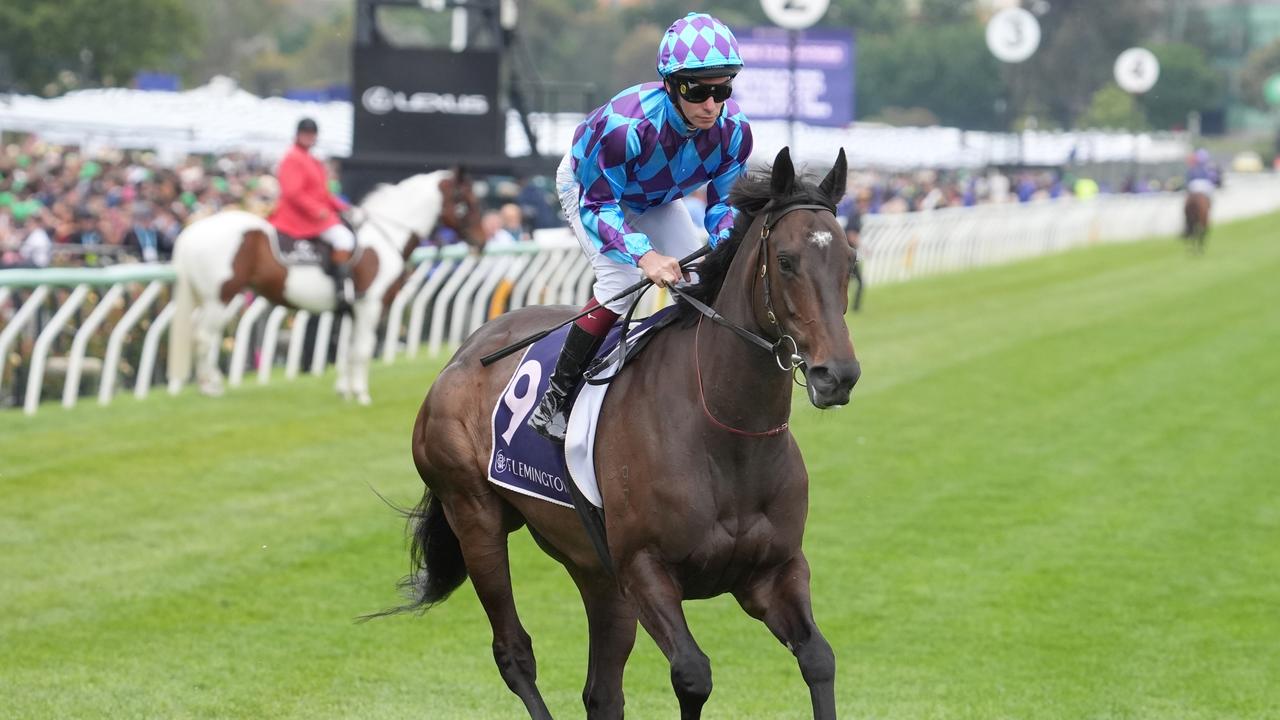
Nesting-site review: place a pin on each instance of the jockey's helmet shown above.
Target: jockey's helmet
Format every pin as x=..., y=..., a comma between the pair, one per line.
x=698, y=45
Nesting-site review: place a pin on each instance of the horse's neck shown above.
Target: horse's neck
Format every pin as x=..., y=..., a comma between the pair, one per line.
x=390, y=225
x=758, y=390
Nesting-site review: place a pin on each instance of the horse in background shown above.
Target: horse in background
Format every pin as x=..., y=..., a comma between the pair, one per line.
x=220, y=256
x=705, y=491
x=1196, y=209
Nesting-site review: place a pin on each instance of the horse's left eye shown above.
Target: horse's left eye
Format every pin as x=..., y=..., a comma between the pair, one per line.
x=785, y=264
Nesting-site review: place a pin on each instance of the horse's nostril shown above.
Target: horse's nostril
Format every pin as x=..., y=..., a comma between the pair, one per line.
x=822, y=377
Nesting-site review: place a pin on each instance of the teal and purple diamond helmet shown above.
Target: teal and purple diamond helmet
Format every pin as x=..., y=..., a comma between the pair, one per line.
x=698, y=45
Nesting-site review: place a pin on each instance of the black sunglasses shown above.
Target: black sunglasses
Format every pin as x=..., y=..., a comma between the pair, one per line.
x=698, y=92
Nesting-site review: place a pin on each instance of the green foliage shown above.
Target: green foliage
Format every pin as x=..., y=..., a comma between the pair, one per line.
x=1187, y=82
x=1258, y=69
x=945, y=69
x=1053, y=496
x=1113, y=109
x=53, y=46
x=1080, y=41
x=946, y=11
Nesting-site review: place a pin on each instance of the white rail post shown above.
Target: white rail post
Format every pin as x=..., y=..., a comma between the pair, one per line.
x=480, y=310
x=270, y=338
x=151, y=349
x=520, y=291
x=418, y=310
x=115, y=344
x=75, y=361
x=297, y=336
x=40, y=353
x=441, y=305
x=395, y=313
x=244, y=330
x=19, y=320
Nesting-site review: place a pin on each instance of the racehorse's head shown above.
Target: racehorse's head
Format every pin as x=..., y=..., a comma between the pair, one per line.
x=460, y=211
x=801, y=276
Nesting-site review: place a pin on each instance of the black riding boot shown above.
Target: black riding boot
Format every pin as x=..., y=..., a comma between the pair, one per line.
x=551, y=418
x=342, y=296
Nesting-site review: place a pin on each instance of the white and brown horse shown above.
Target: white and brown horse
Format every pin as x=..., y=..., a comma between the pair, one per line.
x=220, y=256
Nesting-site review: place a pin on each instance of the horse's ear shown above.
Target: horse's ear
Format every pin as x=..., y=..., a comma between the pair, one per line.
x=783, y=177
x=460, y=173
x=833, y=184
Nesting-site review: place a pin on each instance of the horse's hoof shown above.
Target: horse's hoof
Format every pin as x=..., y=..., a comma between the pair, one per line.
x=364, y=399
x=212, y=389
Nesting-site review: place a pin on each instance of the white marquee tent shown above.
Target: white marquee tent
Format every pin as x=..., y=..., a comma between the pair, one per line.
x=221, y=117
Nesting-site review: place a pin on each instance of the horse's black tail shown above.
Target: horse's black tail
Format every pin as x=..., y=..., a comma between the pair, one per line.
x=436, y=564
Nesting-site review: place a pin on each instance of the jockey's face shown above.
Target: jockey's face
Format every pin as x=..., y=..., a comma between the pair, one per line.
x=306, y=139
x=703, y=115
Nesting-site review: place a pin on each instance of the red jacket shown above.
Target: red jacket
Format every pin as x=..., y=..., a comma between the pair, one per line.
x=306, y=208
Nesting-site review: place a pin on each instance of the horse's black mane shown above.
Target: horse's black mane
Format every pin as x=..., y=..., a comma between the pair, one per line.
x=750, y=195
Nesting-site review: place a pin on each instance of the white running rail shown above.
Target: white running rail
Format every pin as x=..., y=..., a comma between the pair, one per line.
x=451, y=291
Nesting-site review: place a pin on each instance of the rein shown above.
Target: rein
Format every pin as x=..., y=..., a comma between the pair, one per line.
x=788, y=363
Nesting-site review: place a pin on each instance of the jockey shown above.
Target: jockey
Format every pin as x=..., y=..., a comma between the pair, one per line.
x=631, y=159
x=306, y=209
x=1202, y=177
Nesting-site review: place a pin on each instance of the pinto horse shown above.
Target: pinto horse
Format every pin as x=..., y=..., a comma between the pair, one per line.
x=705, y=491
x=222, y=255
x=1196, y=210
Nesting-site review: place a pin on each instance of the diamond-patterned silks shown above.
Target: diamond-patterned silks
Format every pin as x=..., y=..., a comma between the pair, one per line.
x=697, y=41
x=636, y=152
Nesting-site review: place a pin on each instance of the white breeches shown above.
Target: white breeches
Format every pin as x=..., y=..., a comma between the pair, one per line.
x=340, y=237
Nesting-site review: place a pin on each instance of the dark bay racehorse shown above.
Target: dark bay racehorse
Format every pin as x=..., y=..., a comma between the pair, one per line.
x=1196, y=210
x=705, y=491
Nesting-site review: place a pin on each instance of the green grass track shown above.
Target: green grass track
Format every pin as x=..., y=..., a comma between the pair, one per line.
x=1056, y=494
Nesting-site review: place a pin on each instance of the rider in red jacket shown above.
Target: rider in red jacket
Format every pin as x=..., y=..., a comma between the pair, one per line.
x=306, y=208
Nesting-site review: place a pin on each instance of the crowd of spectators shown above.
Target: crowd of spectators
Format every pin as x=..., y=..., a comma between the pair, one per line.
x=61, y=206
x=878, y=192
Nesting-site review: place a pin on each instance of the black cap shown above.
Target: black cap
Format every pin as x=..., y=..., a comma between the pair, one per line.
x=307, y=125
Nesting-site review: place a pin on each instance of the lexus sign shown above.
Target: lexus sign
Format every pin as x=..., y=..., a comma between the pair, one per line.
x=427, y=103
x=381, y=100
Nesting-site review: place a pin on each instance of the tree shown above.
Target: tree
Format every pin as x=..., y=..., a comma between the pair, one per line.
x=1258, y=69
x=945, y=69
x=52, y=45
x=1187, y=83
x=1080, y=40
x=1113, y=109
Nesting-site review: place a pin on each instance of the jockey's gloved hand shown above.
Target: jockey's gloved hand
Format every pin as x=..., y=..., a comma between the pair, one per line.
x=355, y=216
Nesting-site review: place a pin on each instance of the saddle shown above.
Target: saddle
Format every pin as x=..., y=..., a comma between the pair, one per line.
x=301, y=252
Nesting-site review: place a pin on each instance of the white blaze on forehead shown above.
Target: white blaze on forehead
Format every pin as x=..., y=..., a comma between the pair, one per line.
x=821, y=238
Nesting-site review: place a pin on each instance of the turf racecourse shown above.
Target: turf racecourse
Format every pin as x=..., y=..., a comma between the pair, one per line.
x=1054, y=496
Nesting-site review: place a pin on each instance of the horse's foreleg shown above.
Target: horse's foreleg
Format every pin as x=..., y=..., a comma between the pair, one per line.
x=363, y=339
x=657, y=595
x=782, y=603
x=477, y=520
x=342, y=358
x=611, y=620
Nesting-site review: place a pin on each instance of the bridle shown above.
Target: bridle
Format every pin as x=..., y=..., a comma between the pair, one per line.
x=787, y=361
x=777, y=348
